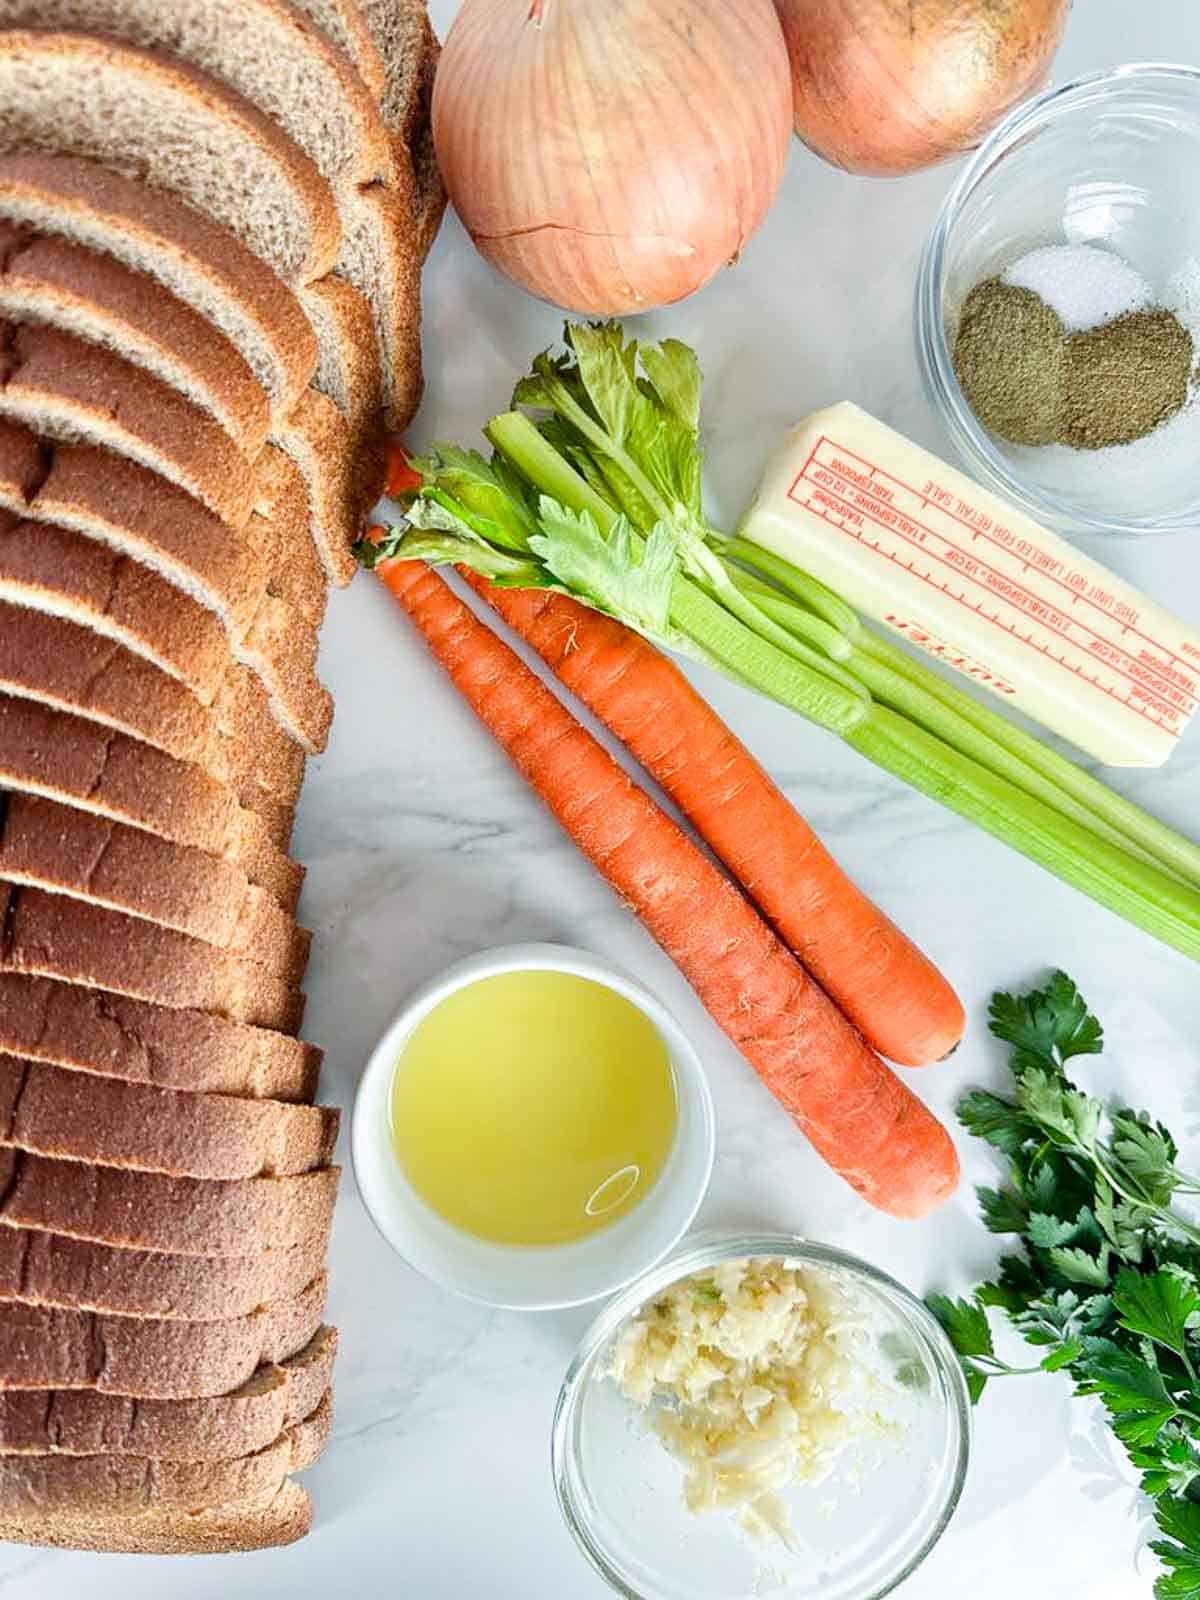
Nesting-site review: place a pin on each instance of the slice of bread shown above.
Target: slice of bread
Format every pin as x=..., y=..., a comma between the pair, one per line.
x=46, y=1269
x=65, y=666
x=111, y=1036
x=211, y=271
x=85, y=292
x=345, y=23
x=54, y=847
x=143, y=516
x=263, y=49
x=45, y=1348
x=85, y=94
x=48, y=936
x=199, y=262
x=61, y=387
x=380, y=256
x=119, y=1485
x=264, y=1523
x=82, y=1422
x=94, y=769
x=75, y=1116
x=45, y=568
x=148, y=1211
x=46, y=281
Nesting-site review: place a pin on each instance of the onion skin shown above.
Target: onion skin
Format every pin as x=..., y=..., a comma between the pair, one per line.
x=612, y=155
x=889, y=86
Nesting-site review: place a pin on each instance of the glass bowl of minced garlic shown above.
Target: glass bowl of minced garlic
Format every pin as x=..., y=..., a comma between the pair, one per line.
x=761, y=1414
x=1058, y=305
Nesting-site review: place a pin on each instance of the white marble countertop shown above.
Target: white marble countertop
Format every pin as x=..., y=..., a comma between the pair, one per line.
x=423, y=846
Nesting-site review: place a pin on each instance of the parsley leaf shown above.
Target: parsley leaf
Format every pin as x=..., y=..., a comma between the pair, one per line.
x=1159, y=1305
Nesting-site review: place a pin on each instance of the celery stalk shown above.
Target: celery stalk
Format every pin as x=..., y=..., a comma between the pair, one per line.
x=911, y=697
x=995, y=741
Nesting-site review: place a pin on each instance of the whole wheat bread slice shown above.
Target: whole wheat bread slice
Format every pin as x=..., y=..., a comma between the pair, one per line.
x=275, y=1519
x=61, y=387
x=86, y=292
x=45, y=568
x=55, y=847
x=211, y=271
x=84, y=94
x=148, y=1211
x=230, y=162
x=75, y=1116
x=199, y=262
x=49, y=281
x=48, y=936
x=264, y=50
x=141, y=515
x=81, y=1422
x=47, y=1269
x=92, y=768
x=111, y=1036
x=118, y=1485
x=42, y=1347
x=405, y=43
x=235, y=740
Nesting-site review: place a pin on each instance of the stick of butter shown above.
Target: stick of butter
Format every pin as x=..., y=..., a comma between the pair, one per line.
x=915, y=544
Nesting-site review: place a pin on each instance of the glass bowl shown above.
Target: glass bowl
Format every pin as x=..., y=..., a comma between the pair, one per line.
x=864, y=1530
x=1111, y=161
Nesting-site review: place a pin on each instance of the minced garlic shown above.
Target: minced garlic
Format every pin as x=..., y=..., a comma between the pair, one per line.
x=754, y=1378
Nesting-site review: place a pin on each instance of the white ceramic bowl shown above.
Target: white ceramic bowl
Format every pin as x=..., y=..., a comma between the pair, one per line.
x=527, y=1277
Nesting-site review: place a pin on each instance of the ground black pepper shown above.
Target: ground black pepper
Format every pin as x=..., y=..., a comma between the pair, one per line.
x=1125, y=379
x=1032, y=382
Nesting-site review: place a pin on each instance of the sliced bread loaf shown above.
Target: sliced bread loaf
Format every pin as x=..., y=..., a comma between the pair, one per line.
x=92, y=1031
x=85, y=94
x=55, y=847
x=94, y=769
x=199, y=262
x=81, y=1422
x=45, y=1348
x=47, y=1269
x=76, y=1116
x=264, y=1523
x=125, y=1485
x=149, y=1211
x=49, y=936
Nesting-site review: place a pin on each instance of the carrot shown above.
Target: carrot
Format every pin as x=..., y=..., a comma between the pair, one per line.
x=402, y=478
x=894, y=994
x=860, y=1118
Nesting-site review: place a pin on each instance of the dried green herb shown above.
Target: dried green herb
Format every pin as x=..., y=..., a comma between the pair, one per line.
x=1009, y=356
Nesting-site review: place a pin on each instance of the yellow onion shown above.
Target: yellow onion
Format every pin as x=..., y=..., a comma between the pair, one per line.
x=887, y=86
x=612, y=155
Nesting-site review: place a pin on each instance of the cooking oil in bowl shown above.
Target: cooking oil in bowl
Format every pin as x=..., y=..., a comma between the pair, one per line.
x=533, y=1107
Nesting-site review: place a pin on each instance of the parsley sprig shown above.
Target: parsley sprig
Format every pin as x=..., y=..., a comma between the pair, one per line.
x=1107, y=1282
